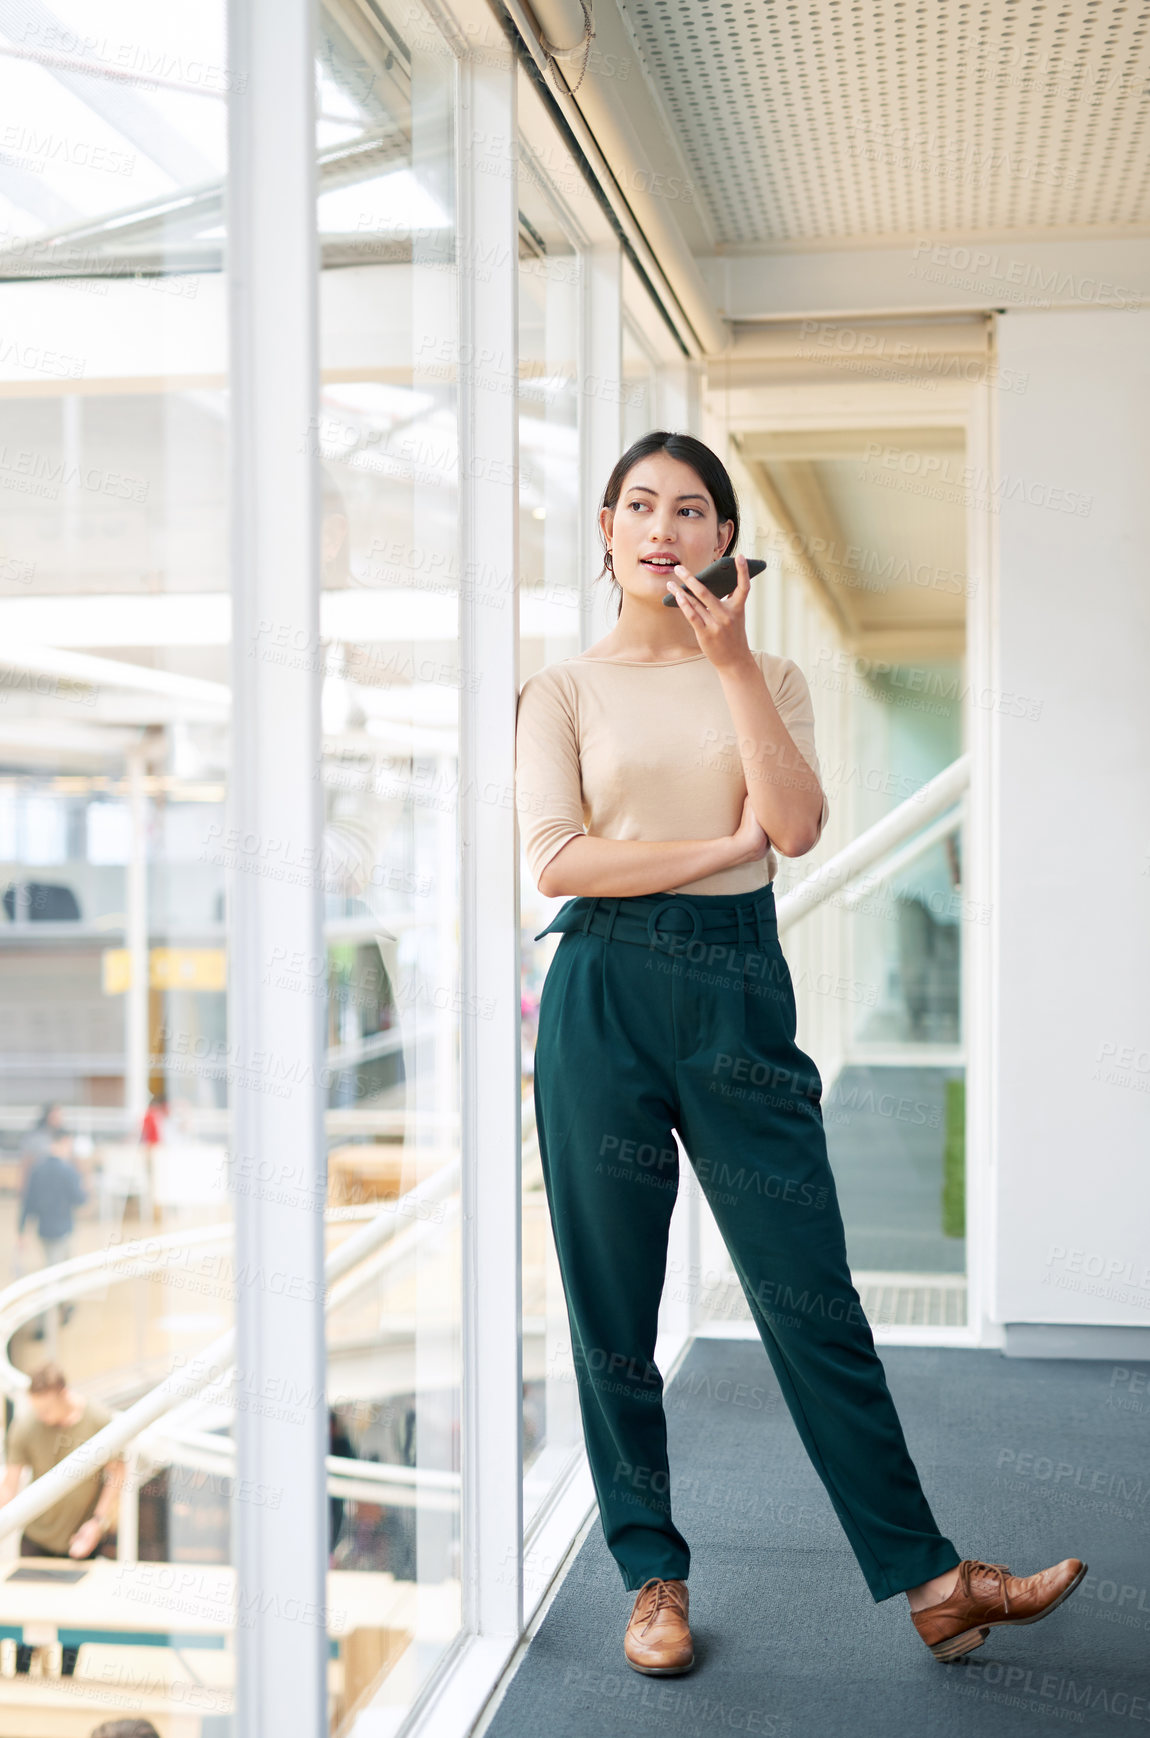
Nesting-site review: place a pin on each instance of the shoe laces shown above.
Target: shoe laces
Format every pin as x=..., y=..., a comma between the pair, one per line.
x=663, y=1594
x=974, y=1566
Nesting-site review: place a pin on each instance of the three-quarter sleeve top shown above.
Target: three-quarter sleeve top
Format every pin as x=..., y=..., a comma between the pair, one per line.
x=645, y=751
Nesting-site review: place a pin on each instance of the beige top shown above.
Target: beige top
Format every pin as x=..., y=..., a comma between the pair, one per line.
x=627, y=750
x=43, y=1446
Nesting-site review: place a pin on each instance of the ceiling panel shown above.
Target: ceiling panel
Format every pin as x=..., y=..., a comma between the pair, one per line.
x=880, y=120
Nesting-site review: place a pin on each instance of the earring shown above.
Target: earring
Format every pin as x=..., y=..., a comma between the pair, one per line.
x=609, y=562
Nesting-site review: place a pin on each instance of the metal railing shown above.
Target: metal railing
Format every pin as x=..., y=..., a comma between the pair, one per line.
x=835, y=875
x=201, y=1379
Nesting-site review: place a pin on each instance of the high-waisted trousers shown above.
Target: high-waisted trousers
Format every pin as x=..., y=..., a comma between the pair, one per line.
x=677, y=1011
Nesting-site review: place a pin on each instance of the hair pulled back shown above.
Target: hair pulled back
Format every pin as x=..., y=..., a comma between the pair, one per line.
x=706, y=463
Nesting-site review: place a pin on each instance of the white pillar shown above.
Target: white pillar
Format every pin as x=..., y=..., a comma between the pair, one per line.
x=128, y=1517
x=489, y=957
x=136, y=1044
x=275, y=793
x=600, y=422
x=1069, y=923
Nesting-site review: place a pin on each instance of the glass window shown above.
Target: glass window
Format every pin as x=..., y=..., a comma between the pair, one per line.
x=114, y=671
x=896, y=1114
x=909, y=720
x=387, y=439
x=114, y=664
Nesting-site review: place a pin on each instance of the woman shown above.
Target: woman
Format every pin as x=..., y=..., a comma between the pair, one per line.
x=656, y=775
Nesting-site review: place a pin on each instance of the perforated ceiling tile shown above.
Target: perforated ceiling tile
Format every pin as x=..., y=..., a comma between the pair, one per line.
x=828, y=120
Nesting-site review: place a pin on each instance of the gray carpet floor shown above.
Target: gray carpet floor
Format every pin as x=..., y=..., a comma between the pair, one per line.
x=1024, y=1462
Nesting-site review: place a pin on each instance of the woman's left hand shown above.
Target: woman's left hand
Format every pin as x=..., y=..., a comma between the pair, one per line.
x=718, y=621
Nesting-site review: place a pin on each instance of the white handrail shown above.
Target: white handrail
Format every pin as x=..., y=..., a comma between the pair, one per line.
x=902, y=823
x=370, y=1480
x=865, y=884
x=81, y=1274
x=183, y=1384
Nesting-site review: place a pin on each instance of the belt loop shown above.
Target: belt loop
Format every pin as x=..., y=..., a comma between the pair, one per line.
x=591, y=905
x=611, y=916
x=741, y=918
x=759, y=922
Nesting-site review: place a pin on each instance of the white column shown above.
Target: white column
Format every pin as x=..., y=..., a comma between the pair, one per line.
x=1065, y=704
x=280, y=1544
x=979, y=849
x=489, y=957
x=433, y=1051
x=128, y=1517
x=600, y=420
x=136, y=1043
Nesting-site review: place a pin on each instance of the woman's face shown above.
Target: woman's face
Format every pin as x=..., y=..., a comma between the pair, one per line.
x=664, y=509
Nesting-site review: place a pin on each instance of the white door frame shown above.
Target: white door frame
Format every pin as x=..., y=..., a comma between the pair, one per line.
x=970, y=405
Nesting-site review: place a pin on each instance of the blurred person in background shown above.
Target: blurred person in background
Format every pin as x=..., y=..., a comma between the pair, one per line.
x=340, y=1443
x=38, y=1140
x=52, y=1187
x=154, y=1121
x=153, y=1133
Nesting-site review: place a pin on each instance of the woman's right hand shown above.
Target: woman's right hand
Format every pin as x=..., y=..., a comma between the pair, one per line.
x=750, y=840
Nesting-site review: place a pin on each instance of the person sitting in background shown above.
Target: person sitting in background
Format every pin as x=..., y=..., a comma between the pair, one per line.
x=52, y=1187
x=57, y=1421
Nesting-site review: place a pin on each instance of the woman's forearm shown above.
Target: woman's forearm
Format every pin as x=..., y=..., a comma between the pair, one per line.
x=624, y=868
x=785, y=794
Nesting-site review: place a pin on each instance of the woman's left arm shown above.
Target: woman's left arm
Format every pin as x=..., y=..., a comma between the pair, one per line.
x=784, y=790
x=785, y=793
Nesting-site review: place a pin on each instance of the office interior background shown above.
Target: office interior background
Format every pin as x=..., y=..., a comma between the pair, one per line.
x=321, y=328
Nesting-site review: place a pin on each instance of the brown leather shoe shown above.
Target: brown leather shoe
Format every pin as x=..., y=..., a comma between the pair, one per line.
x=987, y=1595
x=657, y=1639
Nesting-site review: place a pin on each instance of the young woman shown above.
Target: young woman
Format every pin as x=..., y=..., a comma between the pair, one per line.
x=656, y=776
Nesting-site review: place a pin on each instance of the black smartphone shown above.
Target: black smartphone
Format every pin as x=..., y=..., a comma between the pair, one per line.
x=722, y=576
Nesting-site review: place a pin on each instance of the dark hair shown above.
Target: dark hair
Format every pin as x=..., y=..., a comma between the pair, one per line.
x=130, y=1728
x=708, y=464
x=48, y=1379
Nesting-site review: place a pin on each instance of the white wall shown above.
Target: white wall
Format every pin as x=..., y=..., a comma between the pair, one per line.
x=1072, y=888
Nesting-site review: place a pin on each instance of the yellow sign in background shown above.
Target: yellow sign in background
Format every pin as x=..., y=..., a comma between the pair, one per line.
x=169, y=968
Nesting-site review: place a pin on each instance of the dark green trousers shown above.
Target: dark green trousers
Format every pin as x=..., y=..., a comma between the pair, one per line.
x=676, y=1011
